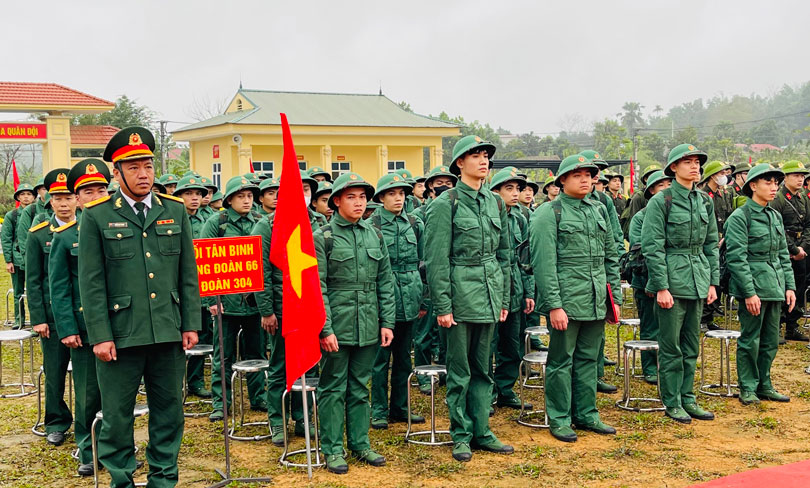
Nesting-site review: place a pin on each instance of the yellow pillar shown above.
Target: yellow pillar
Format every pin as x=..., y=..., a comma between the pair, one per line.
x=326, y=158
x=245, y=158
x=382, y=162
x=56, y=149
x=436, y=156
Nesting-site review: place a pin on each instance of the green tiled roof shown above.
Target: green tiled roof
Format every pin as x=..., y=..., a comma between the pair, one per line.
x=333, y=109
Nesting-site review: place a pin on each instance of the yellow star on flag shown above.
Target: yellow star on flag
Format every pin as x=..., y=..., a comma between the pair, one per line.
x=297, y=260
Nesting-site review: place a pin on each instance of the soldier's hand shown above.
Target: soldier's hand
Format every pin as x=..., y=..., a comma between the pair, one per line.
x=10, y=267
x=446, y=320
x=105, y=351
x=529, y=306
x=800, y=255
x=329, y=343
x=73, y=341
x=214, y=309
x=422, y=313
x=270, y=324
x=753, y=304
x=42, y=330
x=387, y=336
x=790, y=299
x=504, y=314
x=190, y=339
x=559, y=319
x=712, y=295
x=664, y=299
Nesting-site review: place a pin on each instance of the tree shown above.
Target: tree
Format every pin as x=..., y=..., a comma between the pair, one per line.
x=126, y=113
x=631, y=117
x=8, y=153
x=405, y=106
x=484, y=131
x=206, y=107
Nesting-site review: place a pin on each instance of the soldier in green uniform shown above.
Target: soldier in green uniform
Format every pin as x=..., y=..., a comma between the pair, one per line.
x=574, y=258
x=419, y=188
x=141, y=304
x=169, y=182
x=239, y=311
x=644, y=301
x=319, y=174
x=615, y=187
x=55, y=356
x=358, y=292
x=761, y=279
x=192, y=190
x=320, y=200
x=403, y=234
x=738, y=177
x=411, y=202
x=637, y=201
x=468, y=259
x=268, y=195
x=550, y=189
x=370, y=208
x=88, y=181
x=31, y=214
x=507, y=345
x=600, y=182
x=269, y=302
x=206, y=209
x=526, y=199
x=679, y=243
x=11, y=249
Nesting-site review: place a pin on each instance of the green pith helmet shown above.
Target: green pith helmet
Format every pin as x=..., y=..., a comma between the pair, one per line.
x=372, y=206
x=113, y=187
x=323, y=187
x=88, y=172
x=595, y=158
x=349, y=180
x=209, y=183
x=130, y=144
x=23, y=187
x=159, y=186
x=763, y=170
x=191, y=173
x=306, y=179
x=650, y=169
x=56, y=181
x=420, y=179
x=169, y=179
x=573, y=163
x=534, y=186
x=711, y=169
x=404, y=173
x=603, y=179
x=217, y=196
x=190, y=182
x=39, y=184
x=505, y=175
x=251, y=177
x=391, y=181
x=789, y=167
x=610, y=176
x=46, y=200
x=741, y=168
x=440, y=171
x=467, y=144
x=549, y=181
x=679, y=152
x=236, y=184
x=655, y=177
x=318, y=171
x=269, y=184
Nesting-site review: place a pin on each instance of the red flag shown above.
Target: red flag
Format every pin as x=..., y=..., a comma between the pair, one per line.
x=632, y=175
x=293, y=251
x=250, y=160
x=16, y=177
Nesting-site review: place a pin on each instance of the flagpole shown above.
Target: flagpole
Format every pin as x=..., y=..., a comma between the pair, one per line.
x=305, y=395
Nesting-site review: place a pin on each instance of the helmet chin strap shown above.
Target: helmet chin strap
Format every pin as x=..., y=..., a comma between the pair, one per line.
x=117, y=165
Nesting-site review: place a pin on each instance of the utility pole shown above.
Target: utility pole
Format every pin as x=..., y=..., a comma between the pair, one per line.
x=164, y=166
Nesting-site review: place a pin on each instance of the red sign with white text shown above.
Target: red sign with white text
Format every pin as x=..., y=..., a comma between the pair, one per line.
x=216, y=151
x=229, y=265
x=13, y=130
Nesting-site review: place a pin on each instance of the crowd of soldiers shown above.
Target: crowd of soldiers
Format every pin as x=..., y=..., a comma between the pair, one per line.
x=452, y=266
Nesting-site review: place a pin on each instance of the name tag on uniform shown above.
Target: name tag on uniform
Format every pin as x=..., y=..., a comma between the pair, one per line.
x=75, y=244
x=164, y=222
x=117, y=225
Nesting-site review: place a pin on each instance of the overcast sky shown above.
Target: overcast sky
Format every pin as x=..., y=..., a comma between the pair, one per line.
x=525, y=66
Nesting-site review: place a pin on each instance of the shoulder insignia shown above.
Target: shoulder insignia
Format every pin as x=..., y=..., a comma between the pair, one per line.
x=95, y=202
x=72, y=223
x=40, y=225
x=170, y=197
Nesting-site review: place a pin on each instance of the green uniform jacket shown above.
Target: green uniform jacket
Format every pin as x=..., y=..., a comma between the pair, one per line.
x=638, y=282
x=411, y=203
x=241, y=304
x=619, y=202
x=723, y=205
x=197, y=223
x=356, y=281
x=269, y=300
x=756, y=253
x=796, y=217
x=27, y=220
x=406, y=249
x=8, y=237
x=574, y=261
x=613, y=217
x=37, y=287
x=681, y=248
x=636, y=203
x=138, y=283
x=468, y=256
x=64, y=277
x=522, y=286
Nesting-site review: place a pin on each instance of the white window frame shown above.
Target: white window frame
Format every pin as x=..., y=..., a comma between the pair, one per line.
x=216, y=174
x=340, y=168
x=394, y=166
x=262, y=168
x=302, y=165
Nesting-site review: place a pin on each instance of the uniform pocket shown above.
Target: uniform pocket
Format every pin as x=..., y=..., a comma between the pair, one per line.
x=118, y=243
x=176, y=308
x=120, y=314
x=168, y=239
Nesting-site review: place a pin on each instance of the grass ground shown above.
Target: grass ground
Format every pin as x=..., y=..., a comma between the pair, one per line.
x=649, y=449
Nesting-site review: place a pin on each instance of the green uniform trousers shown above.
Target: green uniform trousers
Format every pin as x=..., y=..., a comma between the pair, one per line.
x=162, y=367
x=55, y=359
x=678, y=347
x=87, y=398
x=757, y=345
x=399, y=350
x=600, y=361
x=469, y=386
x=571, y=373
x=343, y=398
x=507, y=349
x=277, y=383
x=648, y=330
x=18, y=284
x=425, y=331
x=195, y=370
x=252, y=346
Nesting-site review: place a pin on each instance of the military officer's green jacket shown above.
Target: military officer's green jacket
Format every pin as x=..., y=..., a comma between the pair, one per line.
x=522, y=286
x=468, y=254
x=756, y=253
x=37, y=288
x=615, y=227
x=235, y=225
x=138, y=282
x=636, y=203
x=356, y=281
x=27, y=219
x=574, y=257
x=269, y=300
x=619, y=202
x=723, y=205
x=405, y=242
x=64, y=280
x=8, y=237
x=679, y=242
x=793, y=208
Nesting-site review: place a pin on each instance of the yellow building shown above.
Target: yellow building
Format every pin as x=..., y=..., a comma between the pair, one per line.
x=368, y=134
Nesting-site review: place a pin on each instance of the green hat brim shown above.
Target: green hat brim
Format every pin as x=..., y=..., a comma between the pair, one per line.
x=355, y=184
x=520, y=181
x=709, y=174
x=180, y=189
x=253, y=189
x=586, y=165
x=394, y=184
x=160, y=186
x=652, y=184
x=430, y=179
x=746, y=189
x=534, y=186
x=702, y=158
x=743, y=168
x=481, y=145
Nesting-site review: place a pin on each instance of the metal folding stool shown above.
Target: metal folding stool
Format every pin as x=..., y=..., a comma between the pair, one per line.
x=19, y=336
x=725, y=337
x=539, y=358
x=139, y=411
x=630, y=349
x=636, y=325
x=240, y=370
x=199, y=350
x=312, y=385
x=432, y=371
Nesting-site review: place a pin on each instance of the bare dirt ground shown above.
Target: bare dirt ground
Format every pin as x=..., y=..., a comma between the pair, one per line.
x=649, y=450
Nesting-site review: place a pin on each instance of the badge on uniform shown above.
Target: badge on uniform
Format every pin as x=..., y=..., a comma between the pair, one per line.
x=117, y=225
x=164, y=222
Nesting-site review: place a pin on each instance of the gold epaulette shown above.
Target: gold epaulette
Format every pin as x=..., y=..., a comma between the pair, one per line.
x=40, y=225
x=170, y=197
x=73, y=222
x=95, y=202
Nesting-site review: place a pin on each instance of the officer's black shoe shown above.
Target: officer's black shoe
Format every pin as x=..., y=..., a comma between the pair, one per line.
x=603, y=387
x=564, y=434
x=794, y=335
x=85, y=469
x=713, y=326
x=512, y=403
x=56, y=438
x=609, y=362
x=598, y=427
x=379, y=424
x=415, y=419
